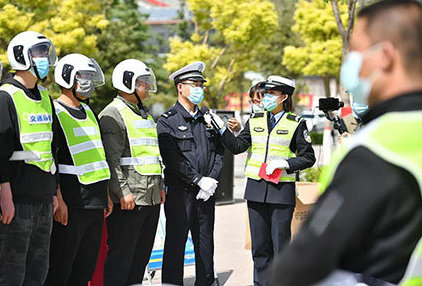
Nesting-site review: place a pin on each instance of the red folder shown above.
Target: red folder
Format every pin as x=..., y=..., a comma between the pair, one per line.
x=274, y=177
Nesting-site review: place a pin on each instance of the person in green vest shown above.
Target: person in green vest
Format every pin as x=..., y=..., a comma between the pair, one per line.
x=27, y=162
x=136, y=186
x=84, y=174
x=369, y=218
x=275, y=139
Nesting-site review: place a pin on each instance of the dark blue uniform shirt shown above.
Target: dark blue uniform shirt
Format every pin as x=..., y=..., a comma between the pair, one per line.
x=190, y=149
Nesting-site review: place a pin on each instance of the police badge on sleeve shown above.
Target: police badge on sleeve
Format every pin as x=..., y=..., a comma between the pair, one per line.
x=307, y=136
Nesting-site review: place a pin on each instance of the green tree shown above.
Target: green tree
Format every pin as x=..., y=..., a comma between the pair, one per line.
x=126, y=37
x=321, y=51
x=182, y=28
x=107, y=30
x=72, y=25
x=225, y=38
x=272, y=60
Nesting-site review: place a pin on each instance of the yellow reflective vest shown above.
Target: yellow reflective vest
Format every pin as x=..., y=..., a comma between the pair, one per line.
x=270, y=146
x=404, y=149
x=83, y=139
x=35, y=120
x=143, y=141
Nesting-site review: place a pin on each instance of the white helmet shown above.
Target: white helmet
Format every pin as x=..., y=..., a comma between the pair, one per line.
x=127, y=72
x=71, y=66
x=26, y=45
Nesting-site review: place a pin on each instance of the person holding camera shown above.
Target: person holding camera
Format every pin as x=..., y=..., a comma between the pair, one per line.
x=276, y=139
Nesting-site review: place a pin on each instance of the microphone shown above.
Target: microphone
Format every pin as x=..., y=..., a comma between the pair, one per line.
x=205, y=109
x=213, y=119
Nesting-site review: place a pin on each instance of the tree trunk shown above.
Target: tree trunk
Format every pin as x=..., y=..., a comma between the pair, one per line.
x=340, y=26
x=350, y=24
x=327, y=89
x=195, y=23
x=215, y=62
x=223, y=82
x=207, y=33
x=345, y=32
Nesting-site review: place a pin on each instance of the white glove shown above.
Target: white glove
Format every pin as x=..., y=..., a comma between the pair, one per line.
x=203, y=195
x=208, y=184
x=207, y=118
x=276, y=164
x=212, y=190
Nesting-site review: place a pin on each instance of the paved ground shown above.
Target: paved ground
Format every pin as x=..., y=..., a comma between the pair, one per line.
x=233, y=263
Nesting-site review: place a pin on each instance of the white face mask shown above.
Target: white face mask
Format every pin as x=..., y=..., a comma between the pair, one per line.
x=85, y=87
x=257, y=108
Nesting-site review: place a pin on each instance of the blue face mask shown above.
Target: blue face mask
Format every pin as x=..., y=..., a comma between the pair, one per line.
x=359, y=110
x=43, y=66
x=196, y=95
x=269, y=101
x=358, y=87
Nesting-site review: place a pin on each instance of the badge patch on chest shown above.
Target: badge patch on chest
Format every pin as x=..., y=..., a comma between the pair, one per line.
x=39, y=118
x=307, y=136
x=182, y=128
x=282, y=132
x=258, y=129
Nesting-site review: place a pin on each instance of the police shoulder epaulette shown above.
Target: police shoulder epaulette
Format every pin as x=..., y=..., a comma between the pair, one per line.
x=169, y=113
x=255, y=115
x=293, y=117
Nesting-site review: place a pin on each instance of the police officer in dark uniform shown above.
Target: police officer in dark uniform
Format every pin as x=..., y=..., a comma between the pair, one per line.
x=278, y=138
x=193, y=157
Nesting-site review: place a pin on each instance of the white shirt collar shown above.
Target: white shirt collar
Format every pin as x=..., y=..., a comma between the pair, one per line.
x=195, y=113
x=278, y=115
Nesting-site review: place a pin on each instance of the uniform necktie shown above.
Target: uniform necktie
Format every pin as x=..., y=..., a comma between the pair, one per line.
x=273, y=122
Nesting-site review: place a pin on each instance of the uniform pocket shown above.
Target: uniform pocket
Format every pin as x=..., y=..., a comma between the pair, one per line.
x=184, y=141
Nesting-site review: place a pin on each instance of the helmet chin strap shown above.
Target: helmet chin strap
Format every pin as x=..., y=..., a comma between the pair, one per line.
x=78, y=98
x=140, y=105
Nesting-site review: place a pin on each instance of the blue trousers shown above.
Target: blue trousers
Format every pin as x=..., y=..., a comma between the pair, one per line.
x=270, y=232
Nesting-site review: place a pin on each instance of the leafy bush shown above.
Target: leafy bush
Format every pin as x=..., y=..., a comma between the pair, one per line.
x=316, y=138
x=310, y=175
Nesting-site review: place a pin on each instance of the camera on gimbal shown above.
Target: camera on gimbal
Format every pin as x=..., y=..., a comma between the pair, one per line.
x=328, y=105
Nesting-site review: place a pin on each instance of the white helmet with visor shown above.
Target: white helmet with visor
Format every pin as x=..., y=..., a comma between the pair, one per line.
x=27, y=46
x=76, y=68
x=129, y=74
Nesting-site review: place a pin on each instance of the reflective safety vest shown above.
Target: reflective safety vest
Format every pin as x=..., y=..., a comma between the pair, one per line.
x=396, y=137
x=83, y=139
x=143, y=141
x=270, y=146
x=35, y=120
